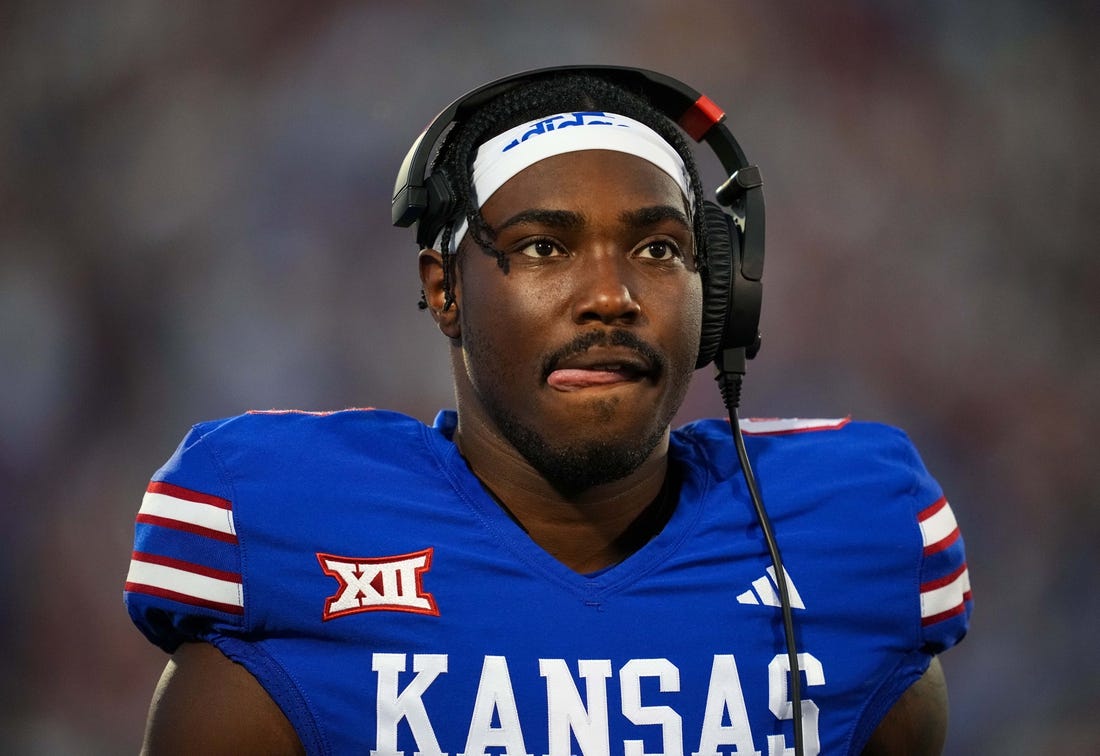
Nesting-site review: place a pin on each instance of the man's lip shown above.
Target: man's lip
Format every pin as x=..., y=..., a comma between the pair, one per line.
x=568, y=379
x=598, y=367
x=616, y=359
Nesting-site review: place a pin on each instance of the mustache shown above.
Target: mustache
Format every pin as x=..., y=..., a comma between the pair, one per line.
x=614, y=337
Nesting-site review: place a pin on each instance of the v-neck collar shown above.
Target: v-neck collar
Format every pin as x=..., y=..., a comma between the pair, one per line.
x=693, y=485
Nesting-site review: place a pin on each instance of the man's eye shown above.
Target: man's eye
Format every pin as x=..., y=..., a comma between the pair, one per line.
x=541, y=248
x=659, y=250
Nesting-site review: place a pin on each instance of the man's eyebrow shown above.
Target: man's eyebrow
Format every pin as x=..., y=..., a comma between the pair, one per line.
x=557, y=219
x=569, y=220
x=651, y=216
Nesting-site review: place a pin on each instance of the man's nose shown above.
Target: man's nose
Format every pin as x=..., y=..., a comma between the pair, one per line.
x=606, y=290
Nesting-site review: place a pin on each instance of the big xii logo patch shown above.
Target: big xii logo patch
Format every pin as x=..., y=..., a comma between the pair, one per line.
x=371, y=584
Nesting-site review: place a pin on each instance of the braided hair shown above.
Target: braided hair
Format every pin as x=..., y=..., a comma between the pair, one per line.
x=557, y=93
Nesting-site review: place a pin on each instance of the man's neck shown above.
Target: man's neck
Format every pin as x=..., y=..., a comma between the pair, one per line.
x=586, y=531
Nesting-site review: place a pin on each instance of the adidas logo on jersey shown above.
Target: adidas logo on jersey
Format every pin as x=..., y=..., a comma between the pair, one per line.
x=766, y=591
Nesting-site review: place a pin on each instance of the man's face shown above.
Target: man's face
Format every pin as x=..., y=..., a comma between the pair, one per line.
x=580, y=349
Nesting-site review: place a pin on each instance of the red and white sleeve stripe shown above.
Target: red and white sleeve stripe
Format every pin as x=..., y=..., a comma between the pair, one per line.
x=186, y=582
x=945, y=596
x=183, y=509
x=175, y=508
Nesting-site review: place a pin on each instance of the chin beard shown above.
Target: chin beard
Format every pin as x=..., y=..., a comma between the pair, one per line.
x=574, y=467
x=571, y=466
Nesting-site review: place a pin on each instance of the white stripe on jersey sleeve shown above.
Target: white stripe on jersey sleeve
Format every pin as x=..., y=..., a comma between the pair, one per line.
x=185, y=582
x=192, y=512
x=939, y=526
x=944, y=598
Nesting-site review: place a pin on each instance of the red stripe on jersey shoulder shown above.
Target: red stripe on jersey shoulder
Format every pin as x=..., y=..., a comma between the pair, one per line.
x=958, y=600
x=943, y=543
x=314, y=413
x=186, y=527
x=183, y=598
x=952, y=612
x=937, y=530
x=931, y=510
x=777, y=426
x=179, y=564
x=179, y=492
x=931, y=585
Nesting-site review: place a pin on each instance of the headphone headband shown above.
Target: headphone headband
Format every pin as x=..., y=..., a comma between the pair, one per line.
x=426, y=200
x=695, y=113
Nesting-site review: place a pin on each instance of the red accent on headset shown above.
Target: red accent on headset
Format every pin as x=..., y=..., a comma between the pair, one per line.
x=698, y=119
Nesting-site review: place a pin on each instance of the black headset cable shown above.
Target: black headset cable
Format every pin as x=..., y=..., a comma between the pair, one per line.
x=731, y=371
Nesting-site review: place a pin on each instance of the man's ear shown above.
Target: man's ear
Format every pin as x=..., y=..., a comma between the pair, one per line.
x=431, y=281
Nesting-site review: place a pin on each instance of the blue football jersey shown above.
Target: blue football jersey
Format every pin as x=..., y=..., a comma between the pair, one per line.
x=356, y=567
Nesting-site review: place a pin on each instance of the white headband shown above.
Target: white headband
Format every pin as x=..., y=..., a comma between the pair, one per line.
x=505, y=155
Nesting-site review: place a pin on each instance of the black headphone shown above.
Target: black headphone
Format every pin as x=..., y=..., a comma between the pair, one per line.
x=733, y=247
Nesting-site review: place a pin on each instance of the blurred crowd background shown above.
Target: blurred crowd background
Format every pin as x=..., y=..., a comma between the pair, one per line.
x=194, y=221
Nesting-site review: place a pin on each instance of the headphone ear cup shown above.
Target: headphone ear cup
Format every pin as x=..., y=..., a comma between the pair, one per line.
x=719, y=254
x=440, y=207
